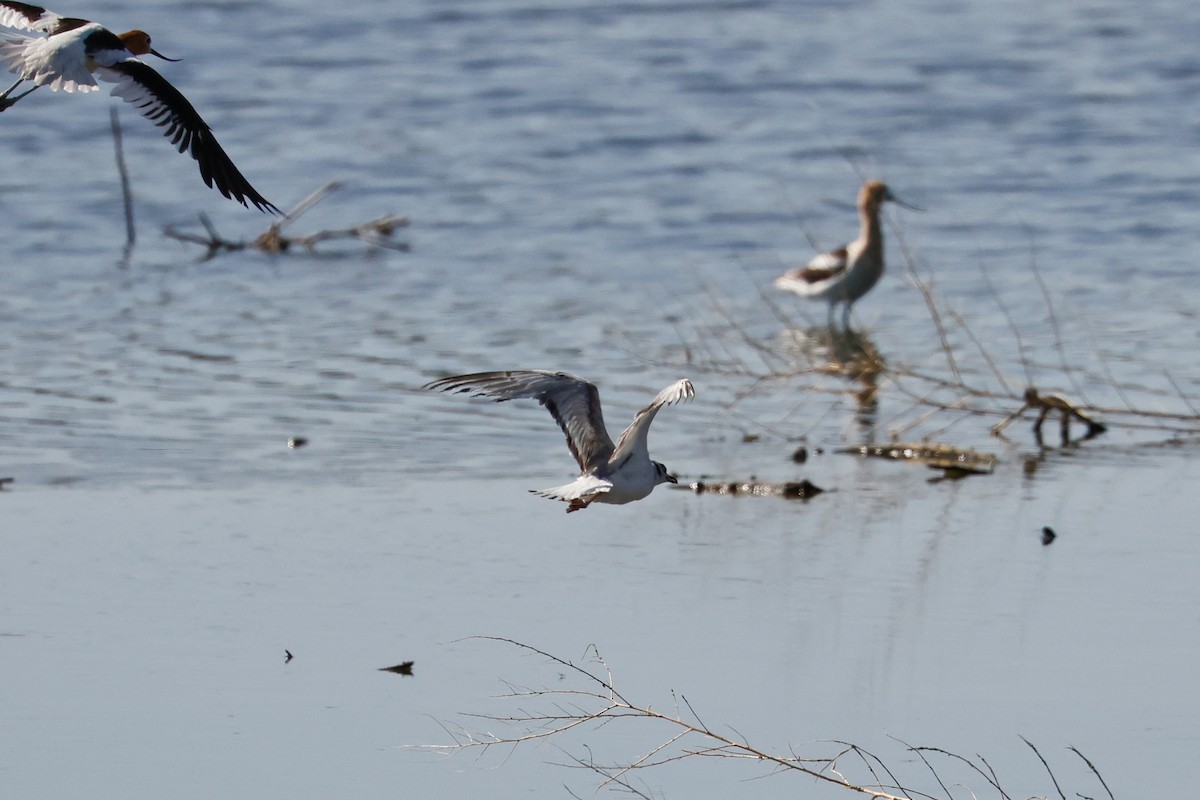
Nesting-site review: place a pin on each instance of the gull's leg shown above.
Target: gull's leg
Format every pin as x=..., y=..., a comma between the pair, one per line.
x=6, y=101
x=579, y=503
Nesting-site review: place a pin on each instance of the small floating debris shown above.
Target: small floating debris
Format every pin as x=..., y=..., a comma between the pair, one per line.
x=197, y=356
x=296, y=442
x=800, y=455
x=403, y=668
x=287, y=656
x=1048, y=535
x=957, y=462
x=5, y=482
x=801, y=490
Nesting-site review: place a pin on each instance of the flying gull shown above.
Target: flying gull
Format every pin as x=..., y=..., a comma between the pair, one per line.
x=609, y=473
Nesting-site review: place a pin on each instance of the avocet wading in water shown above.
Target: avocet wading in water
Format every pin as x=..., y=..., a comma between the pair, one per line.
x=69, y=54
x=609, y=473
x=846, y=274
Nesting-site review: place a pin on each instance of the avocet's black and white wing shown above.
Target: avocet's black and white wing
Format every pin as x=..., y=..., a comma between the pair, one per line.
x=26, y=17
x=68, y=54
x=158, y=101
x=814, y=275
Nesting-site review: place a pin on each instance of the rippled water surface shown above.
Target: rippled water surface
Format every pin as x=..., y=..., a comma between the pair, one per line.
x=606, y=188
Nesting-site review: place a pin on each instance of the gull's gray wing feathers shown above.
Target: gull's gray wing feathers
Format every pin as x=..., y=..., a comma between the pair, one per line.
x=573, y=402
x=633, y=440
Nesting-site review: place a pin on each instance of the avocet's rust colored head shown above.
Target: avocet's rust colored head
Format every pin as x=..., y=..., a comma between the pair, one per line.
x=874, y=193
x=138, y=43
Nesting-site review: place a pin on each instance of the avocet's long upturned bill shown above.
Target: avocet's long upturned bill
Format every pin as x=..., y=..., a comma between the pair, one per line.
x=609, y=473
x=69, y=54
x=846, y=274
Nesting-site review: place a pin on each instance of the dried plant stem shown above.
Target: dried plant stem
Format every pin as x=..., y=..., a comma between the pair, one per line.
x=930, y=304
x=598, y=703
x=612, y=705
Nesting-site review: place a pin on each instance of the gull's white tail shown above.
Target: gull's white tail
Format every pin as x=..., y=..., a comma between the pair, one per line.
x=582, y=488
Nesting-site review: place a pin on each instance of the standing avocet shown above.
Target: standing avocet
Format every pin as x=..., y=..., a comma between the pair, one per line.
x=69, y=54
x=846, y=274
x=609, y=473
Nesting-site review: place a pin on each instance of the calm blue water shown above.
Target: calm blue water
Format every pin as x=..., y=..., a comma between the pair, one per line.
x=606, y=188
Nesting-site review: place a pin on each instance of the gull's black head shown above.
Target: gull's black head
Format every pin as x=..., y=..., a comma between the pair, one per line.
x=661, y=474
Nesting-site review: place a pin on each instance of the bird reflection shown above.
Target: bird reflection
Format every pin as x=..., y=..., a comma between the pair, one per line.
x=848, y=353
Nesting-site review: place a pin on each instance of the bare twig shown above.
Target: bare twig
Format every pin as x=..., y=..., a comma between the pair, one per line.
x=1049, y=771
x=930, y=305
x=988, y=776
x=1012, y=325
x=1058, y=342
x=1095, y=771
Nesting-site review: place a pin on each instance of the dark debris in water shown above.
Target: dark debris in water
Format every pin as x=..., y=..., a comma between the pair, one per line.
x=287, y=656
x=956, y=462
x=196, y=356
x=1048, y=535
x=403, y=668
x=800, y=490
x=5, y=482
x=296, y=442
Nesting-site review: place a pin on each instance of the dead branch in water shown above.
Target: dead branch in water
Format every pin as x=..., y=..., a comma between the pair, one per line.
x=593, y=702
x=373, y=233
x=126, y=192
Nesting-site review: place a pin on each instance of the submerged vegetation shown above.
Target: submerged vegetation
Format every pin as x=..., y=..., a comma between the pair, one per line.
x=970, y=380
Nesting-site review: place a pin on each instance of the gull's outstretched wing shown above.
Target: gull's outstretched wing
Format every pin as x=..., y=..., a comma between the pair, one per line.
x=633, y=439
x=573, y=402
